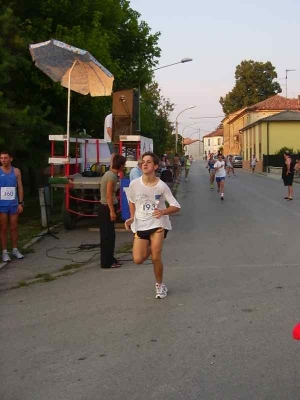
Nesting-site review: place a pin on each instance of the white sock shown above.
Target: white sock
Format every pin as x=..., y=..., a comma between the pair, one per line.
x=4, y=251
x=15, y=248
x=222, y=194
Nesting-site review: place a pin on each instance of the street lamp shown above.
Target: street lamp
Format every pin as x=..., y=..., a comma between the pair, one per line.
x=176, y=124
x=187, y=126
x=286, y=78
x=182, y=61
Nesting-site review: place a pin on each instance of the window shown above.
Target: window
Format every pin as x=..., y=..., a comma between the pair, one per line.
x=219, y=141
x=208, y=142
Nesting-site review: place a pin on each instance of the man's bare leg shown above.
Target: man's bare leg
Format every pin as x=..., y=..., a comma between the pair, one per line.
x=13, y=219
x=157, y=239
x=141, y=250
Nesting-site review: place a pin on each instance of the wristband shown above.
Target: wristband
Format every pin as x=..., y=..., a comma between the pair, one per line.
x=21, y=203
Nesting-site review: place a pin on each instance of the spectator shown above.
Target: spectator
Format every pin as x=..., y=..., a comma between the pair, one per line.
x=136, y=172
x=107, y=212
x=288, y=175
x=11, y=204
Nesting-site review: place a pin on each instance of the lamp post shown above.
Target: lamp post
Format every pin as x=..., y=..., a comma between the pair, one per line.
x=286, y=78
x=182, y=61
x=176, y=124
x=187, y=126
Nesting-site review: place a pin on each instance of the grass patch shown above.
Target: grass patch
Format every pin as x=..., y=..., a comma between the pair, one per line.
x=22, y=284
x=70, y=266
x=126, y=248
x=45, y=277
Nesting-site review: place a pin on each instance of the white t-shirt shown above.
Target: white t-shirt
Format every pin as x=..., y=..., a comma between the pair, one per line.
x=253, y=162
x=108, y=123
x=220, y=173
x=146, y=199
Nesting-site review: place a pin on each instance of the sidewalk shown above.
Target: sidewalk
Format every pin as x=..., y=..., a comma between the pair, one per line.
x=276, y=177
x=50, y=258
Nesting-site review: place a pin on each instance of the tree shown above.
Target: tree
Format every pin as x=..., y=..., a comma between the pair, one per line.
x=283, y=150
x=254, y=82
x=32, y=106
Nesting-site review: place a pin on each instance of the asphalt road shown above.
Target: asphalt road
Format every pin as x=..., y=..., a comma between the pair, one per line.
x=224, y=331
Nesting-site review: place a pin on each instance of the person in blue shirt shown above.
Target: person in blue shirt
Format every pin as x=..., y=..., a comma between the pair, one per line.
x=11, y=204
x=211, y=169
x=136, y=172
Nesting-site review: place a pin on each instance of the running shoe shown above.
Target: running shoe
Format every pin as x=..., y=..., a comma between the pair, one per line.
x=222, y=198
x=17, y=254
x=5, y=257
x=161, y=291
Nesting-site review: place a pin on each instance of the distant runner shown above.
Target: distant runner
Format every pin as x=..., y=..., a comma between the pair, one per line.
x=220, y=174
x=211, y=169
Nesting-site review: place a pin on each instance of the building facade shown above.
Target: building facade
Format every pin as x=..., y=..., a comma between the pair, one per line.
x=212, y=142
x=235, y=122
x=268, y=135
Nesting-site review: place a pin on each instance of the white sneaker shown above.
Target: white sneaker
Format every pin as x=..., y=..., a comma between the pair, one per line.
x=17, y=254
x=5, y=257
x=161, y=291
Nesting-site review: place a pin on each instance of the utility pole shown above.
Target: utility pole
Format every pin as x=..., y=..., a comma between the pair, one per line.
x=286, y=77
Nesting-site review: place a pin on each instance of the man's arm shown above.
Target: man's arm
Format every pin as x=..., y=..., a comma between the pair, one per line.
x=109, y=131
x=288, y=165
x=129, y=221
x=109, y=198
x=20, y=189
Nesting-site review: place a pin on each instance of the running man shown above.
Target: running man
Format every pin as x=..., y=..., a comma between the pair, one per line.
x=229, y=166
x=211, y=169
x=187, y=166
x=220, y=174
x=149, y=218
x=11, y=204
x=253, y=163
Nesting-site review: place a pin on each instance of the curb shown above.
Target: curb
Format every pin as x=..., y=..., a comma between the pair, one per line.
x=60, y=274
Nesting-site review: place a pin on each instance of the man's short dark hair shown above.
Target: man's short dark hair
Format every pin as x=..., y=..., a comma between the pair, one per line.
x=118, y=161
x=153, y=155
x=287, y=153
x=6, y=152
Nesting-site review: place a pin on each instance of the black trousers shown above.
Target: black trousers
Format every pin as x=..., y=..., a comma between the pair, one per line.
x=107, y=237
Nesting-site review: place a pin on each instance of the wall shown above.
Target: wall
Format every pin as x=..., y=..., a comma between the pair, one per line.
x=214, y=146
x=283, y=134
x=195, y=150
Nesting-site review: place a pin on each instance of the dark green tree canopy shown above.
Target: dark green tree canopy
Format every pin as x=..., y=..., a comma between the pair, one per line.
x=254, y=82
x=32, y=106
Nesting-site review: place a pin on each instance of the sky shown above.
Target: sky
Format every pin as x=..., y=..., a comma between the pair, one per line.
x=218, y=35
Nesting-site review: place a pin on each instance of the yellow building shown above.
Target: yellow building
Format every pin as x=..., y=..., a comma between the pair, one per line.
x=234, y=122
x=268, y=135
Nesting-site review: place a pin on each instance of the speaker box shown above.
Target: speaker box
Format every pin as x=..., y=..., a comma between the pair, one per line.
x=121, y=126
x=126, y=105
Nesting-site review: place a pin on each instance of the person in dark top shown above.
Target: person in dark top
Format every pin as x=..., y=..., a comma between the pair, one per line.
x=107, y=212
x=288, y=175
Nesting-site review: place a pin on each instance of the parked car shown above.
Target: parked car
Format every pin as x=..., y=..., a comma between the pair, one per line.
x=237, y=161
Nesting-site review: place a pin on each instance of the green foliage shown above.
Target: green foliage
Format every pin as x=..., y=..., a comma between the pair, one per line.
x=254, y=82
x=284, y=149
x=32, y=106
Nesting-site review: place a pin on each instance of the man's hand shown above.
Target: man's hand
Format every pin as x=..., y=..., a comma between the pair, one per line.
x=157, y=213
x=113, y=216
x=127, y=223
x=20, y=209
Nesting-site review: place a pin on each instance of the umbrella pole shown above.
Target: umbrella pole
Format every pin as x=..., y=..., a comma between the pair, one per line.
x=68, y=113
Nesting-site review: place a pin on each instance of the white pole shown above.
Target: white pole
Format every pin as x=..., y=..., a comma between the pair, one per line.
x=68, y=112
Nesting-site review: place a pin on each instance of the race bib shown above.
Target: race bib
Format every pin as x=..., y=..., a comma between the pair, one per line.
x=8, y=193
x=147, y=207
